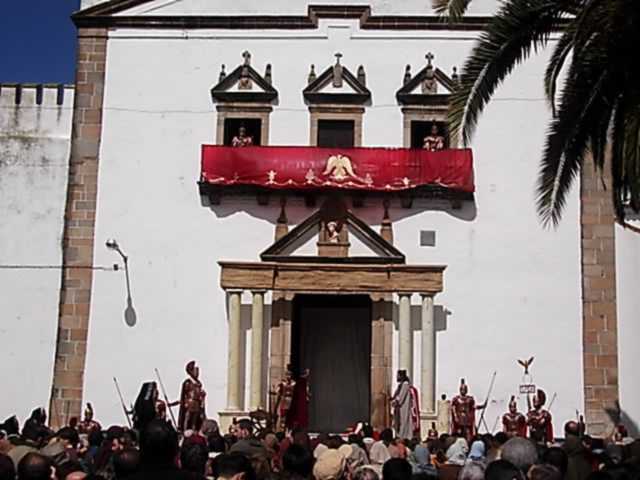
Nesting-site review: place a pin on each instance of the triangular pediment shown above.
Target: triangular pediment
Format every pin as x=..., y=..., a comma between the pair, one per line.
x=300, y=238
x=337, y=84
x=244, y=84
x=430, y=86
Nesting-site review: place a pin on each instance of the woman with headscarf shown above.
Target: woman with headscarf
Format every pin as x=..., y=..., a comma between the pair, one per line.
x=477, y=453
x=457, y=453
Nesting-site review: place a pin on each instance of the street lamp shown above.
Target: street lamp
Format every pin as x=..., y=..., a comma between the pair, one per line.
x=130, y=316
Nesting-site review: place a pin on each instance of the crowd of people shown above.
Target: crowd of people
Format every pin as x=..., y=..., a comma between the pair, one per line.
x=84, y=450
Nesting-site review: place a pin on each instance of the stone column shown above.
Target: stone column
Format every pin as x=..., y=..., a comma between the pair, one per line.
x=233, y=369
x=428, y=373
x=257, y=332
x=405, y=340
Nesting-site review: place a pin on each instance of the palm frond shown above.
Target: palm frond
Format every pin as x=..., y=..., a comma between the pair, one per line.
x=519, y=27
x=452, y=10
x=584, y=103
x=556, y=63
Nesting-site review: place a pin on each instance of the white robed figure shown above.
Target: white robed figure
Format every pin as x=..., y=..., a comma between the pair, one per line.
x=401, y=402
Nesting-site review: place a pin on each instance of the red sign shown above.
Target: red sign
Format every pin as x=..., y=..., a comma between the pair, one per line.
x=379, y=169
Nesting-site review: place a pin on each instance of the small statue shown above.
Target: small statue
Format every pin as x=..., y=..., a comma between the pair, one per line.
x=284, y=392
x=434, y=142
x=429, y=84
x=191, y=402
x=514, y=423
x=463, y=413
x=444, y=414
x=88, y=424
x=333, y=235
x=242, y=139
x=245, y=80
x=539, y=420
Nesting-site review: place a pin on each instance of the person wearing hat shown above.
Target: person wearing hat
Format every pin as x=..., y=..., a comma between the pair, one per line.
x=192, y=396
x=330, y=465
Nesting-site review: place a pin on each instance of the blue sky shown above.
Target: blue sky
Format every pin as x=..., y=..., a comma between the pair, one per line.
x=38, y=41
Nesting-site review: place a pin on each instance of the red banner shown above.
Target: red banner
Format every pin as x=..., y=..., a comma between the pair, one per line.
x=380, y=169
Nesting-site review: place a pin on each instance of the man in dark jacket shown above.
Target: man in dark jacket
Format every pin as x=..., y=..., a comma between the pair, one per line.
x=579, y=466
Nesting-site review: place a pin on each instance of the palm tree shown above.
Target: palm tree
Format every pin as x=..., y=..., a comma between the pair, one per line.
x=597, y=112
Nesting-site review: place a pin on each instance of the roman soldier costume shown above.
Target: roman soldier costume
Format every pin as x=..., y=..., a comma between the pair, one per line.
x=88, y=424
x=463, y=413
x=192, y=397
x=514, y=423
x=539, y=420
x=284, y=392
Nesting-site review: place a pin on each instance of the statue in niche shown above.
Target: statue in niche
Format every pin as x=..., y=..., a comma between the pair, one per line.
x=242, y=139
x=245, y=80
x=429, y=84
x=332, y=232
x=434, y=142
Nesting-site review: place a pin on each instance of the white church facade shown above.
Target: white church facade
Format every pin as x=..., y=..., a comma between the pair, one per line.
x=334, y=242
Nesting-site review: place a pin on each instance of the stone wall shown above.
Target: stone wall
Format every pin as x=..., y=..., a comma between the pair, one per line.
x=79, y=221
x=600, y=328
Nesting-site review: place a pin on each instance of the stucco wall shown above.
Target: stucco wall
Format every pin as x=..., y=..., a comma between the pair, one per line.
x=512, y=288
x=34, y=154
x=628, y=279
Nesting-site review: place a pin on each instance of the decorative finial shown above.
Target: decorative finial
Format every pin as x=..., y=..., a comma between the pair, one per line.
x=429, y=56
x=223, y=74
x=337, y=72
x=312, y=74
x=247, y=58
x=454, y=75
x=362, y=77
x=267, y=73
x=407, y=74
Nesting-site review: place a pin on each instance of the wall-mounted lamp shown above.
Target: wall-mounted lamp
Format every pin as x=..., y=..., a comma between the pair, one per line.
x=130, y=316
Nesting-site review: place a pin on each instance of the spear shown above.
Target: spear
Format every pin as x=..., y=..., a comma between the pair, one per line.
x=166, y=399
x=486, y=402
x=124, y=407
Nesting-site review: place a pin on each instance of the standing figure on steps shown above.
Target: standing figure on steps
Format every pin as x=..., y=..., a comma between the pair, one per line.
x=463, y=413
x=444, y=414
x=514, y=424
x=191, y=401
x=242, y=139
x=539, y=420
x=402, y=403
x=284, y=397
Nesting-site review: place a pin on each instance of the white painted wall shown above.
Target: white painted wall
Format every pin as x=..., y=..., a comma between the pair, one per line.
x=513, y=289
x=34, y=154
x=627, y=281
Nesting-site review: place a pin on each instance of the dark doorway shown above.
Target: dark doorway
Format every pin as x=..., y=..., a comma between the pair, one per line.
x=421, y=129
x=336, y=133
x=331, y=336
x=232, y=127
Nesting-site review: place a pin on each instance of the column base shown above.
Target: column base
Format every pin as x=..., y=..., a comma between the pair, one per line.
x=426, y=418
x=226, y=417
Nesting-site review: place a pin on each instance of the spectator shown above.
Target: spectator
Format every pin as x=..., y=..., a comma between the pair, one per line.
x=522, y=453
x=503, y=470
x=34, y=466
x=330, y=465
x=7, y=468
x=379, y=453
x=297, y=463
x=70, y=470
x=125, y=463
x=472, y=471
x=396, y=469
x=194, y=457
x=557, y=457
x=544, y=472
x=579, y=466
x=365, y=473
x=159, y=453
x=233, y=466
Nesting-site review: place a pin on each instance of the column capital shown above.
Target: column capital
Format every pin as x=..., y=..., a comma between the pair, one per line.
x=405, y=294
x=234, y=290
x=258, y=291
x=427, y=295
